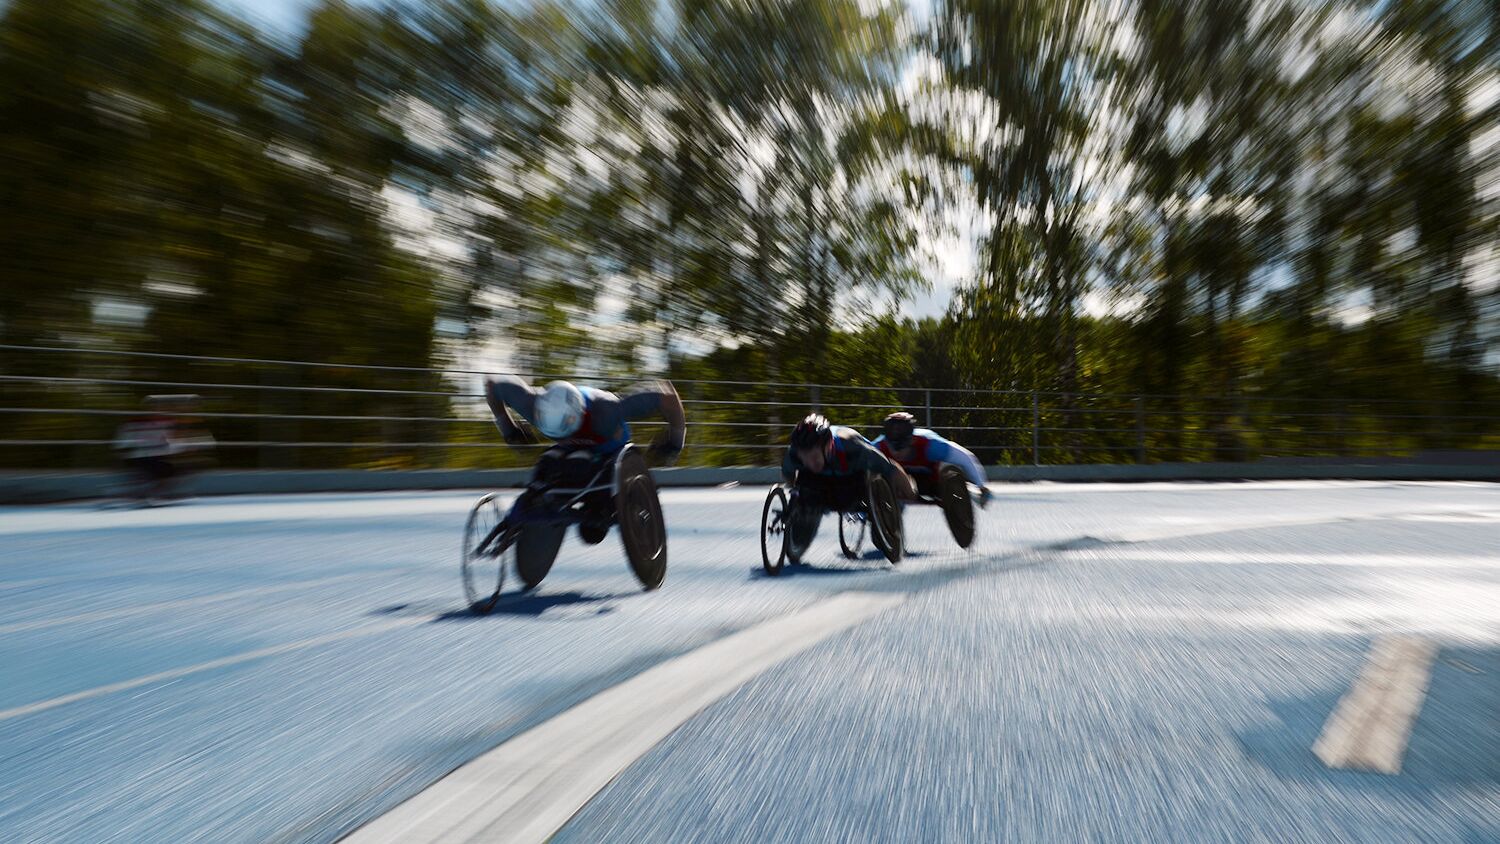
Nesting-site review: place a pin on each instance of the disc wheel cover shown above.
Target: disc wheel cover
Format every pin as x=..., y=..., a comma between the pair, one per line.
x=643, y=531
x=958, y=508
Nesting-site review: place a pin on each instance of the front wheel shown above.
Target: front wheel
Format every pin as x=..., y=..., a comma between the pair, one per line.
x=773, y=535
x=482, y=562
x=885, y=518
x=851, y=534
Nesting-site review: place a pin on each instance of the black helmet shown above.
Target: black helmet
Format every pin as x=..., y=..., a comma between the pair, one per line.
x=899, y=427
x=811, y=432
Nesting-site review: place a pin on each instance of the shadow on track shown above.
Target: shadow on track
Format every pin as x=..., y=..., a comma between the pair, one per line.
x=533, y=604
x=529, y=604
x=804, y=570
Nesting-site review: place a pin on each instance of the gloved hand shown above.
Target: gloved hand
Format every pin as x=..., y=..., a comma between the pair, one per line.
x=984, y=497
x=665, y=450
x=519, y=436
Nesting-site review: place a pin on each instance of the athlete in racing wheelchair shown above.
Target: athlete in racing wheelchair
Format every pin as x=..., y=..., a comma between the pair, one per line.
x=832, y=468
x=593, y=477
x=939, y=469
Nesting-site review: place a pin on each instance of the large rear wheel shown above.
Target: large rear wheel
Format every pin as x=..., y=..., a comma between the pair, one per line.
x=958, y=507
x=643, y=531
x=885, y=518
x=482, y=563
x=773, y=531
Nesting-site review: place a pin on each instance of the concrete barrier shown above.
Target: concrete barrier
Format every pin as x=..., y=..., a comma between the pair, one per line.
x=46, y=487
x=1259, y=471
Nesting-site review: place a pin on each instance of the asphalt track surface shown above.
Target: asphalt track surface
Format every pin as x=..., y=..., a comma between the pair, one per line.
x=1111, y=663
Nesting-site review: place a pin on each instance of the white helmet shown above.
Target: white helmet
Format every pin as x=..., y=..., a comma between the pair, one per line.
x=559, y=410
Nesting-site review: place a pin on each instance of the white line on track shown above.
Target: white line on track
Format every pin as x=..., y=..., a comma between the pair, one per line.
x=176, y=673
x=527, y=788
x=140, y=609
x=1369, y=728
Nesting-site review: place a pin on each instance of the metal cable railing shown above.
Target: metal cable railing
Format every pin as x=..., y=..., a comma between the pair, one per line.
x=607, y=378
x=282, y=413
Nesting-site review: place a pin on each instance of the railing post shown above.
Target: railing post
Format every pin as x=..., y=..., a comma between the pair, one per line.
x=265, y=422
x=815, y=393
x=1036, y=430
x=927, y=394
x=1140, y=430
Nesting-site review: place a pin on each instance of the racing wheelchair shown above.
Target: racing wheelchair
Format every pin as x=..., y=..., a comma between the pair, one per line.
x=871, y=508
x=594, y=493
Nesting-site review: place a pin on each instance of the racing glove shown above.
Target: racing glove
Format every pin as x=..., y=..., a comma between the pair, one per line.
x=666, y=449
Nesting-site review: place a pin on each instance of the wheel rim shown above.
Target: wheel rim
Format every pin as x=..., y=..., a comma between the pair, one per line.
x=848, y=522
x=773, y=531
x=476, y=563
x=887, y=527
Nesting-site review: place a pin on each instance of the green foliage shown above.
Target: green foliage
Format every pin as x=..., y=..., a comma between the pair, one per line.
x=1269, y=204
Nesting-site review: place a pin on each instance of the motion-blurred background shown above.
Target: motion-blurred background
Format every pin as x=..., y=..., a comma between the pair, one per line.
x=1109, y=231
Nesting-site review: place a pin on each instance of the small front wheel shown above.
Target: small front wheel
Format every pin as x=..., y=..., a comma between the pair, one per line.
x=851, y=534
x=483, y=554
x=773, y=532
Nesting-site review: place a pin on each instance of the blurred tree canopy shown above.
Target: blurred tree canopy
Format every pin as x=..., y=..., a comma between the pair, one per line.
x=1237, y=200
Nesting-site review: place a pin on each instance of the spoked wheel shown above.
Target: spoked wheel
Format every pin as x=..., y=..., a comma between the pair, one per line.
x=885, y=518
x=958, y=507
x=484, y=553
x=851, y=534
x=773, y=531
x=642, y=528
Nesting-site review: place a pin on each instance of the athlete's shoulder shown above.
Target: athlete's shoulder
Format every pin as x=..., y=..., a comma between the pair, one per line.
x=927, y=434
x=596, y=394
x=844, y=432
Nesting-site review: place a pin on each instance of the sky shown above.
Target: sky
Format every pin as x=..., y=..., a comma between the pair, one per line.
x=279, y=15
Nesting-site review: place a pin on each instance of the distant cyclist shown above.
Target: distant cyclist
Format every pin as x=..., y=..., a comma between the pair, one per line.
x=826, y=466
x=920, y=450
x=162, y=447
x=587, y=424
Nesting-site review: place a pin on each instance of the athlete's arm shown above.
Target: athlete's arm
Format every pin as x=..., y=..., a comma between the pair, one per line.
x=790, y=465
x=865, y=457
x=503, y=390
x=945, y=451
x=659, y=398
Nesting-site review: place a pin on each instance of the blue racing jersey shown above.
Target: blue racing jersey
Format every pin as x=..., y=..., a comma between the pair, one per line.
x=606, y=416
x=928, y=449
